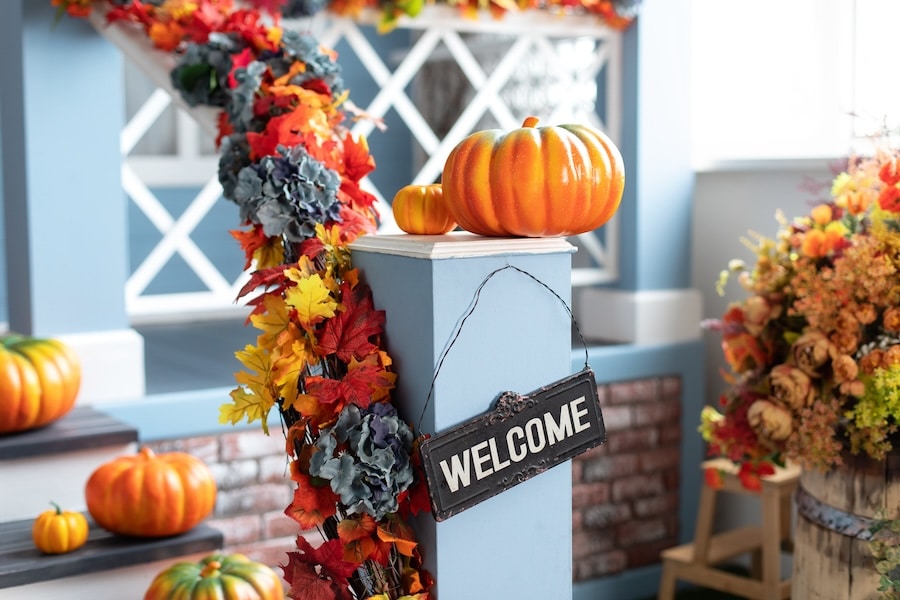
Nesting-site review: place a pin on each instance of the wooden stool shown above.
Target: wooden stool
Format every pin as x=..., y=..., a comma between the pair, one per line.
x=697, y=561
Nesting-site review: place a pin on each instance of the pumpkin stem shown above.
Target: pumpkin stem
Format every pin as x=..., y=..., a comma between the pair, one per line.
x=56, y=506
x=210, y=568
x=530, y=122
x=147, y=453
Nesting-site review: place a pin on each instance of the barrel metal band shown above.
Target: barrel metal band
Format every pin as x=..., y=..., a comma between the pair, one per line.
x=835, y=519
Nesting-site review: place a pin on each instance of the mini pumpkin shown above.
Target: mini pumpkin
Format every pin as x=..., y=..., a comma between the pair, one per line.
x=534, y=181
x=39, y=381
x=225, y=577
x=150, y=495
x=421, y=209
x=58, y=531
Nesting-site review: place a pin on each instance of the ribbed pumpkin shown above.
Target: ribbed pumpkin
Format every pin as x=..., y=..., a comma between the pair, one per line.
x=534, y=181
x=421, y=209
x=39, y=381
x=150, y=495
x=59, y=531
x=217, y=577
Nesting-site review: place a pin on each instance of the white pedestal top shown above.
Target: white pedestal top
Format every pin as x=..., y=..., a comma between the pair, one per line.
x=458, y=244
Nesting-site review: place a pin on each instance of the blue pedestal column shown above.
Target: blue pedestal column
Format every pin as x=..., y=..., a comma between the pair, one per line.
x=517, y=544
x=64, y=212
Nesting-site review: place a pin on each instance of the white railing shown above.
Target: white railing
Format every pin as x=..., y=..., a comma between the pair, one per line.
x=496, y=59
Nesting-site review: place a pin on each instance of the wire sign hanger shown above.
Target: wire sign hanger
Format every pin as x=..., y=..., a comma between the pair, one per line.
x=521, y=437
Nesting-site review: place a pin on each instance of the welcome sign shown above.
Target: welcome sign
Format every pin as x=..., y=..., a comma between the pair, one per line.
x=521, y=437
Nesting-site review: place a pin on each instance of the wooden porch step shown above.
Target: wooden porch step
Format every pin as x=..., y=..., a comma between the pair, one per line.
x=107, y=566
x=53, y=463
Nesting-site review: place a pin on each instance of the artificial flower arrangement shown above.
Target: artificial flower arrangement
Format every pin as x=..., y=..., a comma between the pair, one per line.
x=290, y=164
x=814, y=349
x=617, y=14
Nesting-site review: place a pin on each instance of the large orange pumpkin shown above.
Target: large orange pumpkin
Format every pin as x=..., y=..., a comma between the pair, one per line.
x=39, y=381
x=421, y=209
x=150, y=495
x=534, y=181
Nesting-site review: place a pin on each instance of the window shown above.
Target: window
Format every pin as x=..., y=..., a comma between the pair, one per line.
x=774, y=79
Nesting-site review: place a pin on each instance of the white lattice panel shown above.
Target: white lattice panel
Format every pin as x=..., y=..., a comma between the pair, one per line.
x=498, y=59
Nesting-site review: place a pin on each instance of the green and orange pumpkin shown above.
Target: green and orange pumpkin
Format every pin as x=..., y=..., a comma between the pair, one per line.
x=219, y=577
x=534, y=181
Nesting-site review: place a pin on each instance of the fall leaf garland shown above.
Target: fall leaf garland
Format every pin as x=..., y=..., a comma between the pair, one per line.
x=293, y=170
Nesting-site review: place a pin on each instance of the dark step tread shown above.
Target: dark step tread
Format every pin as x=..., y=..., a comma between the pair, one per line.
x=21, y=563
x=83, y=428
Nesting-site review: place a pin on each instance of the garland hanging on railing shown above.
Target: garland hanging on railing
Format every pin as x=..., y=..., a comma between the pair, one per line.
x=290, y=164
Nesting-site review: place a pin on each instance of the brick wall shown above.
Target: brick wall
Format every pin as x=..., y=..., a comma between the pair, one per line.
x=625, y=492
x=251, y=471
x=624, y=496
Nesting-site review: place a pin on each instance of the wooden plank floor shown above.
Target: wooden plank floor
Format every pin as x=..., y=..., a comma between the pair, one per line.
x=193, y=356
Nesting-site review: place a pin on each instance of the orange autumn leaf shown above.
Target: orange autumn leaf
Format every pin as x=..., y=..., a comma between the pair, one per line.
x=312, y=502
x=399, y=533
x=713, y=478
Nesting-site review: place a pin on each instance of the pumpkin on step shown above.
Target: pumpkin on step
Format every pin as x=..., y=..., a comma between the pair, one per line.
x=59, y=531
x=150, y=495
x=534, y=181
x=39, y=381
x=220, y=576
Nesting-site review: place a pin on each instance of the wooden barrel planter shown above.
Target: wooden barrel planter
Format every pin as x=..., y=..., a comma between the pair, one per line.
x=835, y=515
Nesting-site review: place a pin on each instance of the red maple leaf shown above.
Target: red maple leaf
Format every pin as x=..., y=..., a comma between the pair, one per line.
x=312, y=503
x=357, y=160
x=330, y=557
x=306, y=584
x=347, y=334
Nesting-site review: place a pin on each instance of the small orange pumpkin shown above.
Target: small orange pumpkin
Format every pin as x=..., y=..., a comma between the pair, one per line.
x=150, y=495
x=534, y=181
x=39, y=381
x=59, y=531
x=420, y=209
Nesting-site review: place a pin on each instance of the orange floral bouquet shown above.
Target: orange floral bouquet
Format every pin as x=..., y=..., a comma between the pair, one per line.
x=814, y=350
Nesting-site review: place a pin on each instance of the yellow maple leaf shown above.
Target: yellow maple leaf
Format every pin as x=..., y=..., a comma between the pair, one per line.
x=275, y=323
x=312, y=300
x=255, y=394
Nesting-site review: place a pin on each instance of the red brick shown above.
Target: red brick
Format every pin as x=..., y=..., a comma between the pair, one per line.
x=594, y=452
x=206, y=448
x=253, y=499
x=235, y=474
x=605, y=515
x=608, y=563
x=670, y=436
x=657, y=460
x=664, y=504
x=273, y=469
x=587, y=543
x=590, y=494
x=273, y=553
x=670, y=388
x=577, y=520
x=630, y=392
x=609, y=467
x=250, y=443
x=242, y=529
x=638, y=531
x=637, y=486
x=617, y=418
x=576, y=471
x=277, y=524
x=633, y=439
x=651, y=413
